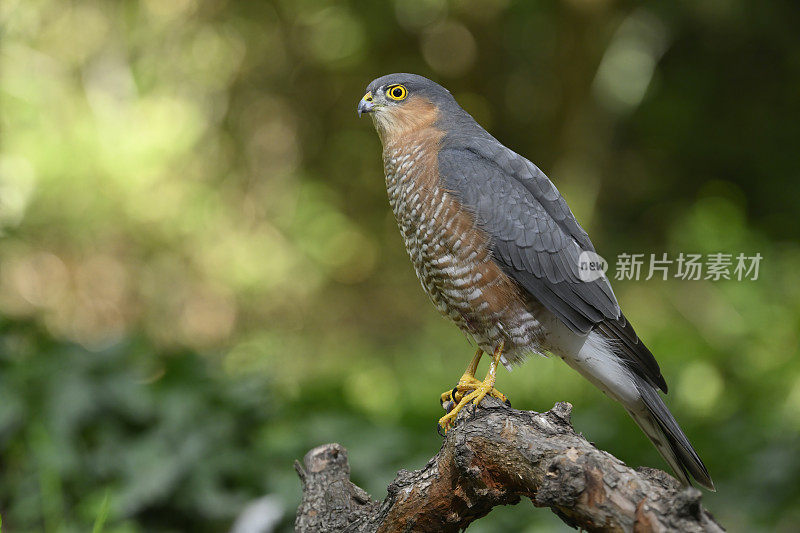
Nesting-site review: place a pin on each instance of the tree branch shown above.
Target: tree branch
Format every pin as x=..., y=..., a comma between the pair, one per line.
x=496, y=455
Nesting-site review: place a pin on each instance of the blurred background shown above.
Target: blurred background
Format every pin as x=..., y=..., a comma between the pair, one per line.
x=200, y=277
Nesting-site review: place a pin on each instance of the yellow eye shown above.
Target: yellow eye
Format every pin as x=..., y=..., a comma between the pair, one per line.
x=396, y=92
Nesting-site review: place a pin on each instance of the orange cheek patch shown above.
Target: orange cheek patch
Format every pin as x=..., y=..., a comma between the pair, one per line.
x=410, y=115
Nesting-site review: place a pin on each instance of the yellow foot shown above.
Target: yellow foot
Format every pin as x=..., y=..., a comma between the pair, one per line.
x=470, y=389
x=467, y=385
x=458, y=399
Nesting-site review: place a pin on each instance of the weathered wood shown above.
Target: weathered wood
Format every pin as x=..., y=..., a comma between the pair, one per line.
x=496, y=455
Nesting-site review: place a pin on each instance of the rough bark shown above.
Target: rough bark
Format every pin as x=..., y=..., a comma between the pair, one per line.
x=496, y=455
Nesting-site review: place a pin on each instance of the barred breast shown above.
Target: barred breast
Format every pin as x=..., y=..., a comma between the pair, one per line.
x=451, y=256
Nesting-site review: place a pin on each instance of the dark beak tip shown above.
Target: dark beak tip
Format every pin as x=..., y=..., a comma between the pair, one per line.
x=363, y=107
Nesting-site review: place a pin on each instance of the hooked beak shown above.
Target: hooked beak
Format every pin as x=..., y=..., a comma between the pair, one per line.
x=365, y=105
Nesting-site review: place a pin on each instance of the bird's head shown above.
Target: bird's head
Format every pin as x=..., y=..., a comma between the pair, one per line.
x=402, y=103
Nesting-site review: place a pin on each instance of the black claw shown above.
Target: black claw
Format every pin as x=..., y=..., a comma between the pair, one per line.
x=508, y=402
x=439, y=430
x=453, y=393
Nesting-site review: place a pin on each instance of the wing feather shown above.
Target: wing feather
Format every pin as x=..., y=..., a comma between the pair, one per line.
x=537, y=241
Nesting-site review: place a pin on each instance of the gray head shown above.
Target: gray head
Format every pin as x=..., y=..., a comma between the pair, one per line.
x=399, y=102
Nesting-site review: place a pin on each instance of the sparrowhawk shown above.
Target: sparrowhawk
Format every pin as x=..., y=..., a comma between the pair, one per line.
x=497, y=250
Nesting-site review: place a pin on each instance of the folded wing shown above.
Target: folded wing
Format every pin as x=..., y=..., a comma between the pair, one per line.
x=536, y=239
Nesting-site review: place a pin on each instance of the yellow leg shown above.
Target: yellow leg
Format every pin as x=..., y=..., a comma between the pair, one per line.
x=479, y=389
x=466, y=383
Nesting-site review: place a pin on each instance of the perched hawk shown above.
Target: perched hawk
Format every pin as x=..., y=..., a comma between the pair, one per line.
x=497, y=249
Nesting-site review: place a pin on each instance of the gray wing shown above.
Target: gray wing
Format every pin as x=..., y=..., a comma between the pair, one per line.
x=536, y=239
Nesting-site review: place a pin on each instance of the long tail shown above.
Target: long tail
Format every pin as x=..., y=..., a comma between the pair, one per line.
x=596, y=359
x=655, y=419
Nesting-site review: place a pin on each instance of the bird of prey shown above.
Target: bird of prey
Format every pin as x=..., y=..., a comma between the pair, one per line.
x=497, y=250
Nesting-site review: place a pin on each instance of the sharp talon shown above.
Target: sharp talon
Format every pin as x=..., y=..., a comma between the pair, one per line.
x=508, y=402
x=469, y=390
x=439, y=431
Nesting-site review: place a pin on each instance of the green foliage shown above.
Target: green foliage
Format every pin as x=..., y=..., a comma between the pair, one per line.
x=102, y=516
x=117, y=434
x=200, y=278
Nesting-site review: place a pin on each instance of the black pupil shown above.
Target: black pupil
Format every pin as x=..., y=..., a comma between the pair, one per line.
x=397, y=92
